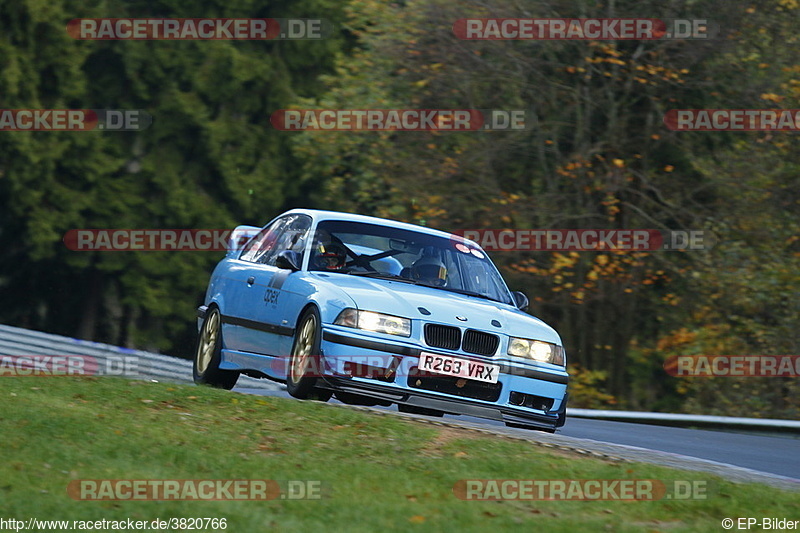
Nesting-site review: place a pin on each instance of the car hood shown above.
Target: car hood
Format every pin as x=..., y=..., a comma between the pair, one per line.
x=405, y=299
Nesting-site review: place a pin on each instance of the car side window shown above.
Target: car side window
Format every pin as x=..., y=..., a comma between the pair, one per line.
x=287, y=233
x=292, y=236
x=298, y=235
x=262, y=242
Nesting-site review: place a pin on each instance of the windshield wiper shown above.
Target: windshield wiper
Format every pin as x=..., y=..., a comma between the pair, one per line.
x=470, y=293
x=385, y=275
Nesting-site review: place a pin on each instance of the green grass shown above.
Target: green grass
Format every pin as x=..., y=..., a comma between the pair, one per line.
x=379, y=473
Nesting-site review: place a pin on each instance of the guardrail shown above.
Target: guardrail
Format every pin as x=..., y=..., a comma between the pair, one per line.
x=154, y=366
x=685, y=420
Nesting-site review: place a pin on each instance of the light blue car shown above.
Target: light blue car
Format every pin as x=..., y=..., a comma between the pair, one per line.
x=378, y=312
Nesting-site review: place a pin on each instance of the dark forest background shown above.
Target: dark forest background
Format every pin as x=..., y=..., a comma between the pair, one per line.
x=599, y=156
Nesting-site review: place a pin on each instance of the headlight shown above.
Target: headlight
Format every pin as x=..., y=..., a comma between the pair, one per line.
x=377, y=322
x=537, y=350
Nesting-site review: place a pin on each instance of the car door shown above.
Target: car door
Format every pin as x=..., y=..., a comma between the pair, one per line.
x=240, y=292
x=272, y=314
x=261, y=281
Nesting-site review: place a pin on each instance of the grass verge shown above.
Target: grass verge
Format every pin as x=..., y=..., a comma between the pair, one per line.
x=377, y=473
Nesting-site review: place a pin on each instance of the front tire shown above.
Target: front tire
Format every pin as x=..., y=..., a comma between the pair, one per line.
x=304, y=361
x=208, y=354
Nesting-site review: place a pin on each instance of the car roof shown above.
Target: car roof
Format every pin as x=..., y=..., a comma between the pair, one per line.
x=320, y=215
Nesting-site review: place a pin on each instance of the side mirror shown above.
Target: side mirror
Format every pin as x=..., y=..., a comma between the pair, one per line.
x=520, y=300
x=288, y=260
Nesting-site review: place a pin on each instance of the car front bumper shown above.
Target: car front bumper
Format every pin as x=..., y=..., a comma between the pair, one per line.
x=524, y=395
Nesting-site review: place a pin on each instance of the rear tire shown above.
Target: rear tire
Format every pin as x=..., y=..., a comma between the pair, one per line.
x=208, y=355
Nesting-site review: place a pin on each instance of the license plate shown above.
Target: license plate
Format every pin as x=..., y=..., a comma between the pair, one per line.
x=460, y=368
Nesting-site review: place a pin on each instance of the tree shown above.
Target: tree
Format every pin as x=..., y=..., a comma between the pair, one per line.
x=597, y=156
x=210, y=160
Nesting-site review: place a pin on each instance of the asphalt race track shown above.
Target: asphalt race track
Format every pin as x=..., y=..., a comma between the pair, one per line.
x=775, y=455
x=720, y=452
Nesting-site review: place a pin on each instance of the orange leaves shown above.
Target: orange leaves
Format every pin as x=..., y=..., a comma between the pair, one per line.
x=643, y=73
x=526, y=267
x=610, y=50
x=590, y=276
x=612, y=60
x=671, y=299
x=772, y=97
x=586, y=388
x=612, y=208
x=676, y=339
x=564, y=261
x=573, y=168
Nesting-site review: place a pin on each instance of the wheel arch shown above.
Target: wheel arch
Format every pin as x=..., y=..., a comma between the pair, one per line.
x=308, y=305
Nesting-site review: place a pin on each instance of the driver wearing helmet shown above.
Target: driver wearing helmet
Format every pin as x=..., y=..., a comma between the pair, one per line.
x=429, y=270
x=330, y=256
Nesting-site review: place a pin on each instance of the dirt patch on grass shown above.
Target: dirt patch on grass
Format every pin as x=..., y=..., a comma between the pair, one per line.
x=435, y=447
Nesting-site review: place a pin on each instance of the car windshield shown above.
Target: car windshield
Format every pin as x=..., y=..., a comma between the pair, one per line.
x=372, y=250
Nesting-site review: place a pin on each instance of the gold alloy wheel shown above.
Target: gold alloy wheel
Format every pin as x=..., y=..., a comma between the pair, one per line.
x=302, y=349
x=208, y=341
